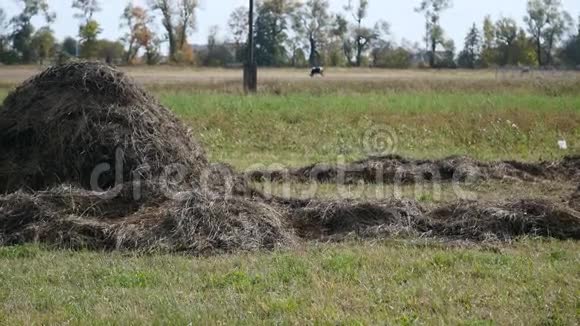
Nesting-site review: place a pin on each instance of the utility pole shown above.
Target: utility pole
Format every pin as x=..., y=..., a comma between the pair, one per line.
x=250, y=68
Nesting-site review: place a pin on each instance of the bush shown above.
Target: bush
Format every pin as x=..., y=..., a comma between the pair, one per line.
x=387, y=57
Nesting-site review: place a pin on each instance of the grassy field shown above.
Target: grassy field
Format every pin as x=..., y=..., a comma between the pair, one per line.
x=298, y=129
x=399, y=281
x=530, y=282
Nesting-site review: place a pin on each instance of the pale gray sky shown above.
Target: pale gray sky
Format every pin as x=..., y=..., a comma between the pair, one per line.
x=399, y=13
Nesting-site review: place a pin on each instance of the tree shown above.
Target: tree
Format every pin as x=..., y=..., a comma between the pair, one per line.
x=271, y=31
x=139, y=35
x=434, y=35
x=3, y=36
x=69, y=46
x=297, y=54
x=559, y=24
x=362, y=36
x=3, y=24
x=23, y=29
x=2, y=19
x=110, y=51
x=524, y=52
x=128, y=21
x=238, y=27
x=340, y=32
x=391, y=56
x=43, y=44
x=87, y=8
x=488, y=49
x=89, y=29
x=311, y=21
x=152, y=56
x=217, y=53
x=178, y=21
x=88, y=34
x=506, y=33
x=448, y=60
x=470, y=56
x=571, y=50
x=546, y=23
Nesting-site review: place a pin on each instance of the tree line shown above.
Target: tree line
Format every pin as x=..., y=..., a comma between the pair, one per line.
x=293, y=33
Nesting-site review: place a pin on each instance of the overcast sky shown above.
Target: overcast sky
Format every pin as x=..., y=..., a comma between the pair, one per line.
x=405, y=23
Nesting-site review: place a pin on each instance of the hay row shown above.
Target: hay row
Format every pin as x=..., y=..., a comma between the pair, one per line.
x=396, y=169
x=202, y=224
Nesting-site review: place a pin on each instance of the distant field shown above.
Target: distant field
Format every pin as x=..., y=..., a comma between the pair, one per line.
x=164, y=74
x=296, y=121
x=284, y=81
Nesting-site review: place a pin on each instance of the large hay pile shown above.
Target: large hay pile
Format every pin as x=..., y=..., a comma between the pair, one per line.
x=70, y=121
x=89, y=159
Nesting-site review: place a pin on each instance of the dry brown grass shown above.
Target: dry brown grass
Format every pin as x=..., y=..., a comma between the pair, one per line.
x=284, y=81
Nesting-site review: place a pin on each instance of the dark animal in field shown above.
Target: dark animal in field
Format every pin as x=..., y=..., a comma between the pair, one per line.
x=317, y=71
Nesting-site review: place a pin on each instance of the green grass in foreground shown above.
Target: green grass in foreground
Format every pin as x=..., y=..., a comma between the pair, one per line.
x=530, y=282
x=298, y=129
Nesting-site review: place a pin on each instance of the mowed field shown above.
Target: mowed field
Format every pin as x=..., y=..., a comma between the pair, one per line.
x=296, y=121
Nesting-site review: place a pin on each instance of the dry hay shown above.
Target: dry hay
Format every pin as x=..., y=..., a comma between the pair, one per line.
x=396, y=169
x=575, y=200
x=461, y=220
x=57, y=127
x=197, y=223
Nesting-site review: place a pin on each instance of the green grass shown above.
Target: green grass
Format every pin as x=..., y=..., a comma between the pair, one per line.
x=530, y=282
x=298, y=129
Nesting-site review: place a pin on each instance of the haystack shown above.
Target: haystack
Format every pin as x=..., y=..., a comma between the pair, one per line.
x=74, y=122
x=79, y=120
